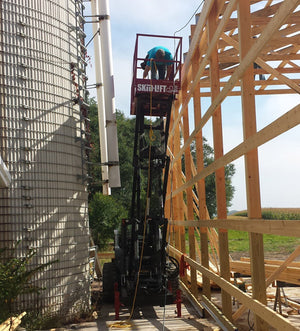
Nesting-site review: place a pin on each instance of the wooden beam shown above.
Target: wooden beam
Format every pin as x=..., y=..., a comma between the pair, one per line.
x=201, y=183
x=218, y=153
x=280, y=262
x=178, y=211
x=268, y=68
x=189, y=195
x=277, y=127
x=272, y=318
x=205, y=60
x=272, y=277
x=251, y=163
x=196, y=37
x=257, y=92
x=192, y=298
x=290, y=228
x=284, y=11
x=289, y=274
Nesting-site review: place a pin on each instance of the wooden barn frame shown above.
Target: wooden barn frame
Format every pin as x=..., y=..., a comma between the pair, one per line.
x=232, y=44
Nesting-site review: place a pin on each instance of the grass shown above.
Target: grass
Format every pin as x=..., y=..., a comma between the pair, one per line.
x=239, y=242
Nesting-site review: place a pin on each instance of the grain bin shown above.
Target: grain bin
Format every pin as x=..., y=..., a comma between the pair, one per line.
x=44, y=144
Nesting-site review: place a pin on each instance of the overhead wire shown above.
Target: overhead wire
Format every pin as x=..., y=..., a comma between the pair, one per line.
x=190, y=18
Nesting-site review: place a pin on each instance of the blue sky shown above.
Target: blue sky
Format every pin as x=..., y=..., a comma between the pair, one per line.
x=279, y=159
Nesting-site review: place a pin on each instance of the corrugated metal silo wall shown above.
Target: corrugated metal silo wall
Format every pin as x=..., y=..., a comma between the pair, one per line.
x=41, y=139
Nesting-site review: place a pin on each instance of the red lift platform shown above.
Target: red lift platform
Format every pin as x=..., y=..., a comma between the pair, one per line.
x=158, y=93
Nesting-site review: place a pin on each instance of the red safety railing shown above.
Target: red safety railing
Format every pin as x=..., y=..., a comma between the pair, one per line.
x=141, y=85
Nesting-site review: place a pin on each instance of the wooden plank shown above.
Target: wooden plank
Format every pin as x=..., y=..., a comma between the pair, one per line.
x=12, y=323
x=196, y=36
x=201, y=183
x=289, y=275
x=266, y=11
x=251, y=163
x=189, y=193
x=224, y=322
x=257, y=92
x=289, y=228
x=192, y=298
x=203, y=64
x=275, y=262
x=277, y=127
x=178, y=211
x=232, y=23
x=218, y=152
x=229, y=72
x=234, y=59
x=214, y=311
x=150, y=318
x=272, y=277
x=267, y=82
x=283, y=79
x=274, y=319
x=284, y=11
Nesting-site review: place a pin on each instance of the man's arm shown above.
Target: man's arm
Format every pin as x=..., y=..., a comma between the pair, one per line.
x=169, y=70
x=147, y=68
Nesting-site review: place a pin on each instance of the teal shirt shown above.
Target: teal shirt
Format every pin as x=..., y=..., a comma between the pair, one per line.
x=168, y=55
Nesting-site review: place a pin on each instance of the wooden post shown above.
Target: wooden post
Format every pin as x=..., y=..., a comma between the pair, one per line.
x=251, y=162
x=201, y=182
x=219, y=173
x=178, y=211
x=189, y=194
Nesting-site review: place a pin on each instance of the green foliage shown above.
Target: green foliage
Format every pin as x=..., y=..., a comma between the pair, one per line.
x=105, y=215
x=95, y=170
x=122, y=196
x=210, y=181
x=15, y=279
x=126, y=129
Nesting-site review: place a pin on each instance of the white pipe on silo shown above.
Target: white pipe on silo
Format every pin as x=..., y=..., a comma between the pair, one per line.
x=100, y=102
x=108, y=80
x=5, y=177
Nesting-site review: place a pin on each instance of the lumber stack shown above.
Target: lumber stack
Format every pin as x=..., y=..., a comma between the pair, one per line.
x=290, y=275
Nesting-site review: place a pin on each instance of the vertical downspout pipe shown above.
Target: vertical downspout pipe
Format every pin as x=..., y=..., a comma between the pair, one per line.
x=109, y=97
x=101, y=103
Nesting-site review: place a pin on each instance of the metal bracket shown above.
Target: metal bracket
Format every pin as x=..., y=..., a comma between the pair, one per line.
x=100, y=17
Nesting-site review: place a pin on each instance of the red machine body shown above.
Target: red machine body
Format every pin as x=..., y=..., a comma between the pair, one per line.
x=161, y=91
